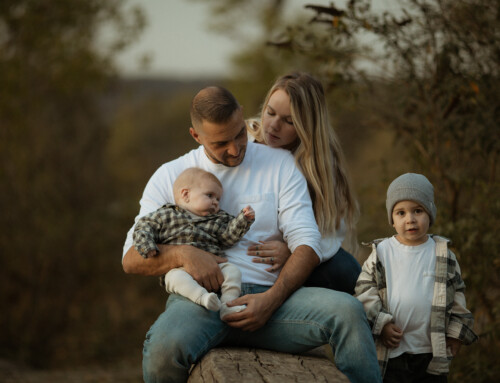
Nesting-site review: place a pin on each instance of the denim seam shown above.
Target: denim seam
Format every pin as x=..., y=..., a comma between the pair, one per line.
x=326, y=333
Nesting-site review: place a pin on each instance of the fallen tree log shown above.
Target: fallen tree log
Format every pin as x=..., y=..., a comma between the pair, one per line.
x=242, y=365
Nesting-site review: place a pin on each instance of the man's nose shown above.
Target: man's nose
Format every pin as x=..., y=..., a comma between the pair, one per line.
x=233, y=149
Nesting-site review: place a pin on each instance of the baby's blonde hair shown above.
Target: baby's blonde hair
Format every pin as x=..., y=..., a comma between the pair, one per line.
x=190, y=178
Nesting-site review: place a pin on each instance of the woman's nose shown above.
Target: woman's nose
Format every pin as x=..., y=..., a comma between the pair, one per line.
x=275, y=124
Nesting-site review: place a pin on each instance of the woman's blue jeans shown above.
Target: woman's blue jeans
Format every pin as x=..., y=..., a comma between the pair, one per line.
x=338, y=273
x=309, y=318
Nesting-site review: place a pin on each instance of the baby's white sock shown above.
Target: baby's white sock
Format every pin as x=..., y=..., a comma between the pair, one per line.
x=210, y=301
x=225, y=310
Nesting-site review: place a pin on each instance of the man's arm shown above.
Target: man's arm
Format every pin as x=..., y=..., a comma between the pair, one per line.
x=201, y=265
x=260, y=307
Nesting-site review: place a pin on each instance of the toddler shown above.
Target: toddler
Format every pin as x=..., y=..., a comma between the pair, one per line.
x=196, y=220
x=412, y=290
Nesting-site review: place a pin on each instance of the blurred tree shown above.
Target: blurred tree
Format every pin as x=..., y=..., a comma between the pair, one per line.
x=52, y=182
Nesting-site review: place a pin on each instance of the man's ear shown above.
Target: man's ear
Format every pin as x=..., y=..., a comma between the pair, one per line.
x=195, y=135
x=185, y=194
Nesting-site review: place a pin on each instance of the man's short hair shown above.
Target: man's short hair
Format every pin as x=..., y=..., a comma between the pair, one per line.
x=213, y=104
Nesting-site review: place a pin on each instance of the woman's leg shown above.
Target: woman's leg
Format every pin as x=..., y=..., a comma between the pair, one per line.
x=338, y=273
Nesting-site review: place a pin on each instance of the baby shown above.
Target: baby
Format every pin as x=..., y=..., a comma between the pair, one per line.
x=196, y=220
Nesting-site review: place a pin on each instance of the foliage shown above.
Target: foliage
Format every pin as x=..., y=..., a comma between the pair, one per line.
x=52, y=182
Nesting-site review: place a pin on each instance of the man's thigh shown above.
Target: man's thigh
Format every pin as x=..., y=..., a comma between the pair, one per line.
x=185, y=329
x=306, y=320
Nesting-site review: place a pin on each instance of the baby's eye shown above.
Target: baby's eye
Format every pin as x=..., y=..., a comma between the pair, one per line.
x=419, y=211
x=400, y=213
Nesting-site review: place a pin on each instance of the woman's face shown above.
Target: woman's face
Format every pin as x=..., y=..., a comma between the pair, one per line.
x=277, y=123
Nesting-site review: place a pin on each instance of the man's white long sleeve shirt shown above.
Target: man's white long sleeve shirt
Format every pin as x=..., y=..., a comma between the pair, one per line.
x=269, y=181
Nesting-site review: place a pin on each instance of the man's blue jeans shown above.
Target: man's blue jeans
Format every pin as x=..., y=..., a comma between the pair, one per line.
x=309, y=318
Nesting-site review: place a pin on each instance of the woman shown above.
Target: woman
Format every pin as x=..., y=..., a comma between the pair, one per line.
x=295, y=117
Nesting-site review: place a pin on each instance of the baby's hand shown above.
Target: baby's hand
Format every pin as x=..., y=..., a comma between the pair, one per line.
x=249, y=213
x=391, y=335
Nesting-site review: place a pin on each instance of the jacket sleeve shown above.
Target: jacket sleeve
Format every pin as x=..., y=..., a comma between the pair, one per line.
x=147, y=232
x=235, y=229
x=461, y=319
x=367, y=292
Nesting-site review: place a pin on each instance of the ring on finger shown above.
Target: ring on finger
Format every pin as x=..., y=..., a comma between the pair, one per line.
x=257, y=253
x=272, y=260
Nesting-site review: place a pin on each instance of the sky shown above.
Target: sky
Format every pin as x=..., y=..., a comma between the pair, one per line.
x=179, y=43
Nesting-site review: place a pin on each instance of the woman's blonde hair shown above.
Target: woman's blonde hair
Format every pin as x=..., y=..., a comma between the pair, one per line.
x=318, y=154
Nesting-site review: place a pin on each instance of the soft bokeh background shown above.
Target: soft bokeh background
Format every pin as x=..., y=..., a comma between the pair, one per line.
x=94, y=96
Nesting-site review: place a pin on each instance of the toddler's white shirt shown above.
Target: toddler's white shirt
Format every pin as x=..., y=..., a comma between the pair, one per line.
x=410, y=274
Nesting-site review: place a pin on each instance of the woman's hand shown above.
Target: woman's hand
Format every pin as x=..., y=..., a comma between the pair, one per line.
x=274, y=253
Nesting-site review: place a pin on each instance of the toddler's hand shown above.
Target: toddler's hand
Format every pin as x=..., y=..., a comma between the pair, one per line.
x=391, y=335
x=454, y=345
x=249, y=213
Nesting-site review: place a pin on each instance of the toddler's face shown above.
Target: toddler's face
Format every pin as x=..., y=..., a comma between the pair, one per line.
x=204, y=198
x=411, y=222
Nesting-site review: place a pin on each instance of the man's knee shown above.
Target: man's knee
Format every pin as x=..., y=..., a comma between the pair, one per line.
x=164, y=358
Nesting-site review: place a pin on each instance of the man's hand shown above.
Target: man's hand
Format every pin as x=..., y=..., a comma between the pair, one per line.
x=203, y=267
x=391, y=335
x=260, y=307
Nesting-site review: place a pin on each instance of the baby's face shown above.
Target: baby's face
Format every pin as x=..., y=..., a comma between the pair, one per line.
x=411, y=222
x=204, y=198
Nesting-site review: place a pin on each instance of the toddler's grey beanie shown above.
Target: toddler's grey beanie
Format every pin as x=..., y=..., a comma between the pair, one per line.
x=411, y=187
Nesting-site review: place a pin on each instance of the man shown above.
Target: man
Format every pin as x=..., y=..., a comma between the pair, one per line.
x=280, y=315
